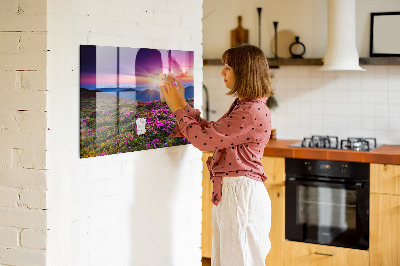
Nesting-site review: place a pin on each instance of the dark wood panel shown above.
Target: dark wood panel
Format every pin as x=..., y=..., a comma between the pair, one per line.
x=314, y=61
x=380, y=61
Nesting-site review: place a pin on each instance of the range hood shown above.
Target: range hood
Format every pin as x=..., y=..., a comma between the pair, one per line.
x=341, y=51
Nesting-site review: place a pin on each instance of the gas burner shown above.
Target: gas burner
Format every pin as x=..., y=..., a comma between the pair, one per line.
x=332, y=142
x=358, y=144
x=327, y=142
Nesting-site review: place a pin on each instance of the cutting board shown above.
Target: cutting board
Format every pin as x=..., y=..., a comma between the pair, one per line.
x=239, y=35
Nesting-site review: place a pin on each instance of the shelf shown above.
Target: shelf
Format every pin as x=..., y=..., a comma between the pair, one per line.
x=274, y=63
x=294, y=62
x=380, y=61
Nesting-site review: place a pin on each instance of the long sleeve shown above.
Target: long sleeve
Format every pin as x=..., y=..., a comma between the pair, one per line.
x=230, y=131
x=193, y=113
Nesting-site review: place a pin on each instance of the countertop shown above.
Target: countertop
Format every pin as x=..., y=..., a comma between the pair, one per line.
x=388, y=154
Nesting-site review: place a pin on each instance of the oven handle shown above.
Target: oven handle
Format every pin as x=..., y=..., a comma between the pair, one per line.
x=357, y=185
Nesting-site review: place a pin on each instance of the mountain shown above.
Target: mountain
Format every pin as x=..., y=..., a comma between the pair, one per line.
x=110, y=89
x=88, y=93
x=134, y=94
x=128, y=94
x=130, y=89
x=189, y=92
x=148, y=95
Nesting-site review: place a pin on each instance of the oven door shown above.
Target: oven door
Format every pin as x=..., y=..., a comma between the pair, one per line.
x=327, y=213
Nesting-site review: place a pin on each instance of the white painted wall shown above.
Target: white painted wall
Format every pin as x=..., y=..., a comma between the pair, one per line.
x=344, y=103
x=306, y=19
x=141, y=208
x=23, y=133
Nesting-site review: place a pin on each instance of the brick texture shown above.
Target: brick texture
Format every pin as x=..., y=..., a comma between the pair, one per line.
x=33, y=199
x=33, y=239
x=8, y=197
x=23, y=218
x=9, y=237
x=23, y=126
x=17, y=256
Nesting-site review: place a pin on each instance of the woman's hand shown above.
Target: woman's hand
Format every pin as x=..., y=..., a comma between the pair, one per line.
x=181, y=89
x=174, y=93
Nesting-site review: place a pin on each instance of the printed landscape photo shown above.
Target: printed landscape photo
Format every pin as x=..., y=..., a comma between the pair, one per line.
x=121, y=106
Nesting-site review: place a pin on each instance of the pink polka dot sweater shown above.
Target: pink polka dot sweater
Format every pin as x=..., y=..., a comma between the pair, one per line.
x=238, y=139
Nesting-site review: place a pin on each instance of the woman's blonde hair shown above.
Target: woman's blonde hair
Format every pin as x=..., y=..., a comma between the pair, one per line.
x=250, y=66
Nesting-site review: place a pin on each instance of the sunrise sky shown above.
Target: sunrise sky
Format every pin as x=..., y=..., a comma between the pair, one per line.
x=138, y=67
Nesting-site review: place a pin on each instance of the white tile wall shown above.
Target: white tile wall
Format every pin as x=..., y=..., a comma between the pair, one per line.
x=342, y=103
x=313, y=102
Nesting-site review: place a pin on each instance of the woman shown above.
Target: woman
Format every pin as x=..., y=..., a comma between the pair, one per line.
x=242, y=208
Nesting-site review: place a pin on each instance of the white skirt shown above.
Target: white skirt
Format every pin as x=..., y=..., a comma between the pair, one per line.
x=241, y=223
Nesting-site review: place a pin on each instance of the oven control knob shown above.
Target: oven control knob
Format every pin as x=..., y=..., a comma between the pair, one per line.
x=343, y=168
x=308, y=166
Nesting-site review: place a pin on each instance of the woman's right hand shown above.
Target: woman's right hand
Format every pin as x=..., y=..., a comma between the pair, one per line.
x=181, y=89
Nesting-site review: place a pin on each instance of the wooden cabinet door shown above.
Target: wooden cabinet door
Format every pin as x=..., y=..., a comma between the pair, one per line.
x=206, y=226
x=384, y=237
x=277, y=233
x=274, y=168
x=304, y=254
x=385, y=178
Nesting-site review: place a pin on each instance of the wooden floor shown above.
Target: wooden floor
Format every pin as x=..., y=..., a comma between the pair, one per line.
x=206, y=261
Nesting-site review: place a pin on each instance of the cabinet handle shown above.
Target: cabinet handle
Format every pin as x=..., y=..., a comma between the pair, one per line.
x=324, y=254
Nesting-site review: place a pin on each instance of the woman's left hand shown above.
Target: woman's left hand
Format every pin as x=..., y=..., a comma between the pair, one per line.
x=171, y=95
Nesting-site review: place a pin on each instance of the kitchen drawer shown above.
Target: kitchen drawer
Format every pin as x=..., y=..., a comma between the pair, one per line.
x=305, y=254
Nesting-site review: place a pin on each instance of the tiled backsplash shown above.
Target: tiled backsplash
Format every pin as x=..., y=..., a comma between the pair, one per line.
x=314, y=102
x=343, y=103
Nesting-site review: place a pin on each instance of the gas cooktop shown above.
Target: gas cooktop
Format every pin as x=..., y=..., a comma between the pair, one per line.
x=332, y=142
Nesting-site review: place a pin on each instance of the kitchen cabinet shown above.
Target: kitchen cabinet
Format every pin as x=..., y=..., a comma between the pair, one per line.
x=206, y=225
x=385, y=215
x=274, y=168
x=277, y=233
x=385, y=230
x=305, y=254
x=385, y=178
x=384, y=221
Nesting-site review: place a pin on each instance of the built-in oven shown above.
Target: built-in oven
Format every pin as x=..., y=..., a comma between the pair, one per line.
x=327, y=202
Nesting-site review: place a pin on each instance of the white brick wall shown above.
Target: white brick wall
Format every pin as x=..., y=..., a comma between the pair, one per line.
x=11, y=256
x=34, y=239
x=140, y=208
x=9, y=237
x=101, y=209
x=8, y=197
x=23, y=132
